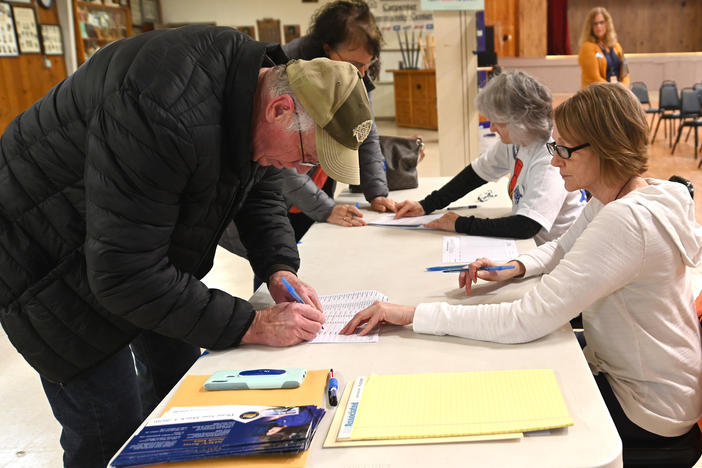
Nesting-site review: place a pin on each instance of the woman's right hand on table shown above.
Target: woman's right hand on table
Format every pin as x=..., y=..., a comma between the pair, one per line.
x=469, y=277
x=408, y=208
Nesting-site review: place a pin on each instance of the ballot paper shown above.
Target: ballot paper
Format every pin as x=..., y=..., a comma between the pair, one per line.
x=339, y=309
x=466, y=249
x=416, y=222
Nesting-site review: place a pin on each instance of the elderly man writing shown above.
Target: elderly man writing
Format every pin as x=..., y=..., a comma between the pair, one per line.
x=114, y=190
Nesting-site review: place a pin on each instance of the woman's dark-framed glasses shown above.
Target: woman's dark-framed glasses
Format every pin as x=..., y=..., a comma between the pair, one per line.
x=564, y=152
x=359, y=66
x=302, y=148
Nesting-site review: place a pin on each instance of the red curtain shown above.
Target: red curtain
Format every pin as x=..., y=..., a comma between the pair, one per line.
x=558, y=37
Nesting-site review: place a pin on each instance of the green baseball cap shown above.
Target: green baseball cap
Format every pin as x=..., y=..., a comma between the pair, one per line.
x=333, y=94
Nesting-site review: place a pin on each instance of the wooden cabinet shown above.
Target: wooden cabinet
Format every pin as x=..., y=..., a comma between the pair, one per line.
x=97, y=25
x=415, y=98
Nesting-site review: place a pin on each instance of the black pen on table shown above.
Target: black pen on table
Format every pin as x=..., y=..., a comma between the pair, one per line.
x=462, y=207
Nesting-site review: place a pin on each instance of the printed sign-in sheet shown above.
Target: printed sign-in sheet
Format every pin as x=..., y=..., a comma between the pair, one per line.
x=465, y=249
x=339, y=309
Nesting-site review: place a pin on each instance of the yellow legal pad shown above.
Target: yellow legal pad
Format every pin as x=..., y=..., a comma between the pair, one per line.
x=456, y=404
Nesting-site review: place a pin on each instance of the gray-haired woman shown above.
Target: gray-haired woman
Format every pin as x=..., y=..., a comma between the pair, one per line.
x=519, y=109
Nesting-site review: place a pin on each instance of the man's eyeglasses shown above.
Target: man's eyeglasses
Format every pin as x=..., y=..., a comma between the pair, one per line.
x=302, y=147
x=360, y=66
x=564, y=152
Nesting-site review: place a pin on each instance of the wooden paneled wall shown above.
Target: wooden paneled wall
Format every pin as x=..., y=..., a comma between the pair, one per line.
x=520, y=27
x=25, y=79
x=645, y=26
x=533, y=28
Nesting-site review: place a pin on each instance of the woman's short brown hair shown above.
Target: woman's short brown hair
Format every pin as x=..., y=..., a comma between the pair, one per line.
x=610, y=118
x=348, y=20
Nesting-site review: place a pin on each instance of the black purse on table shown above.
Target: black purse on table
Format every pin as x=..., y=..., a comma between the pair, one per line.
x=401, y=158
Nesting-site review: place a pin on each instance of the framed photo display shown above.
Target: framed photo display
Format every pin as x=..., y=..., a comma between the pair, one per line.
x=51, y=39
x=27, y=34
x=150, y=11
x=8, y=35
x=248, y=30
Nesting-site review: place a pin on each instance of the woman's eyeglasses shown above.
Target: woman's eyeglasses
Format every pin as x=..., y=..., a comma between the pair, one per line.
x=564, y=152
x=302, y=148
x=360, y=66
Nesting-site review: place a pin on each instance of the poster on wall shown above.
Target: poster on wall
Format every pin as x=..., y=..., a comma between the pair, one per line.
x=8, y=37
x=150, y=11
x=396, y=18
x=404, y=26
x=135, y=8
x=51, y=39
x=446, y=5
x=27, y=33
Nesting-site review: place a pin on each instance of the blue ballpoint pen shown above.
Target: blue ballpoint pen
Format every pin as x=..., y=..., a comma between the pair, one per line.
x=332, y=389
x=488, y=268
x=444, y=267
x=292, y=292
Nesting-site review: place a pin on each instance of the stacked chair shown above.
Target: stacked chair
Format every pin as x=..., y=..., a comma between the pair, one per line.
x=689, y=115
x=641, y=92
x=669, y=109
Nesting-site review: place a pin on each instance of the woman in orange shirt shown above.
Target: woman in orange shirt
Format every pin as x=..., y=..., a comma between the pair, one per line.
x=601, y=57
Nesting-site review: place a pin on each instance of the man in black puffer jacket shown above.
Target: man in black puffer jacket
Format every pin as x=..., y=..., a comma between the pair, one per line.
x=114, y=190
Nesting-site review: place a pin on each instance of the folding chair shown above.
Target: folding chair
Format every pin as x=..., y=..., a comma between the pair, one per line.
x=669, y=104
x=689, y=115
x=641, y=92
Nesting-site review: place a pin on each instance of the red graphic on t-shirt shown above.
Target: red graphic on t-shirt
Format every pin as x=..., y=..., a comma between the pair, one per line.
x=513, y=181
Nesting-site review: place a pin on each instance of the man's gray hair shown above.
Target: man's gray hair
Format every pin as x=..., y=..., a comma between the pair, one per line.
x=280, y=85
x=521, y=102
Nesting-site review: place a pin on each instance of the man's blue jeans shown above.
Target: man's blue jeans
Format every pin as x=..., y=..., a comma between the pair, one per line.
x=102, y=407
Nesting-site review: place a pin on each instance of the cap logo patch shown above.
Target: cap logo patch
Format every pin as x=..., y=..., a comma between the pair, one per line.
x=362, y=130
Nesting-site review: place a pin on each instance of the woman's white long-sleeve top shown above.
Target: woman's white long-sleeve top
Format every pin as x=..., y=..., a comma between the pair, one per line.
x=624, y=266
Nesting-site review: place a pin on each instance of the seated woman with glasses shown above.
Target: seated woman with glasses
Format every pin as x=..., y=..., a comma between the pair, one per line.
x=519, y=109
x=623, y=264
x=346, y=31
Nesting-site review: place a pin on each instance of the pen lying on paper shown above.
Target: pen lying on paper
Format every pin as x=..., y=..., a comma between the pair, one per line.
x=449, y=268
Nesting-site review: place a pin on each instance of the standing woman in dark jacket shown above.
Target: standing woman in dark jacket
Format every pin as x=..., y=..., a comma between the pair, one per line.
x=343, y=30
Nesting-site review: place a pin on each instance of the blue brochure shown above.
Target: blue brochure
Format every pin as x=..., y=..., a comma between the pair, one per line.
x=184, y=434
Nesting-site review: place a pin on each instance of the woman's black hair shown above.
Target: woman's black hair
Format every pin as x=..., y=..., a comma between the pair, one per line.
x=343, y=20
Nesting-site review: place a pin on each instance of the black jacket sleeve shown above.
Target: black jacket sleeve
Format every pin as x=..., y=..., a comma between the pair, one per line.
x=465, y=181
x=517, y=226
x=265, y=229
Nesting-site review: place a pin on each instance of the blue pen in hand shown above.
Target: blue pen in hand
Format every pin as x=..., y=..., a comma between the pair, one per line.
x=292, y=292
x=488, y=268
